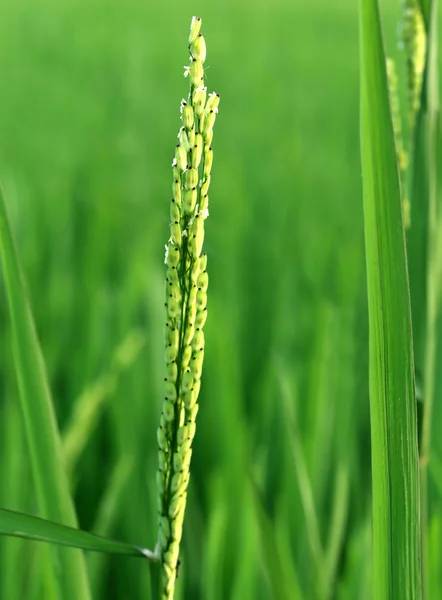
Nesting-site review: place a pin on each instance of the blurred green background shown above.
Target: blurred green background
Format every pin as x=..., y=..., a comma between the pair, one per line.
x=279, y=502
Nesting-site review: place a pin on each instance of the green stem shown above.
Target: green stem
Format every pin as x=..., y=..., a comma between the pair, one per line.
x=155, y=580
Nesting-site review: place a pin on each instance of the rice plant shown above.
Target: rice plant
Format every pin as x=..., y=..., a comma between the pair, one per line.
x=312, y=476
x=186, y=306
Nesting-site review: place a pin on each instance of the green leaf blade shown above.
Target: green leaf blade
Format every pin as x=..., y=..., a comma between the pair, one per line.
x=52, y=490
x=396, y=541
x=18, y=524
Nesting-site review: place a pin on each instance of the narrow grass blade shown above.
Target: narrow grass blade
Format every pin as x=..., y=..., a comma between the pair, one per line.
x=396, y=541
x=212, y=572
x=338, y=522
x=107, y=512
x=14, y=553
x=356, y=579
x=304, y=482
x=89, y=406
x=273, y=563
x=425, y=257
x=427, y=168
x=41, y=430
x=18, y=524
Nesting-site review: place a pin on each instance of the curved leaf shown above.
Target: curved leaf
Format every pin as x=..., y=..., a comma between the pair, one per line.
x=18, y=524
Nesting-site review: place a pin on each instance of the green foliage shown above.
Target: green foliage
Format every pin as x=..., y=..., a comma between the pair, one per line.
x=26, y=526
x=396, y=505
x=88, y=116
x=426, y=263
x=53, y=498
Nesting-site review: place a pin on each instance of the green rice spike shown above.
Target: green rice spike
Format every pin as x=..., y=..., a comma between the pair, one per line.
x=401, y=153
x=186, y=299
x=415, y=45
